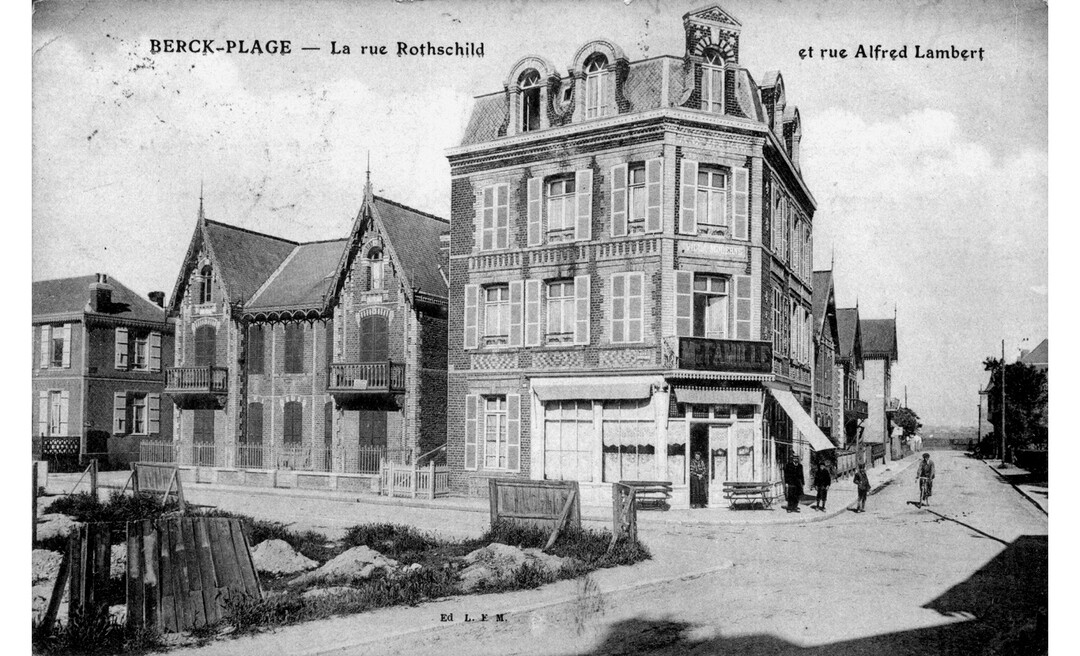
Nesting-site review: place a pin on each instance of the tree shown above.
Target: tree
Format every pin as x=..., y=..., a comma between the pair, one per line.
x=907, y=419
x=1025, y=404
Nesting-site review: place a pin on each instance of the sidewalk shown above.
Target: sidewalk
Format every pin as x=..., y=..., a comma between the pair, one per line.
x=1037, y=494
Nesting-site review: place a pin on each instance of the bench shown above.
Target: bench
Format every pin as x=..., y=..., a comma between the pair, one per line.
x=753, y=492
x=651, y=495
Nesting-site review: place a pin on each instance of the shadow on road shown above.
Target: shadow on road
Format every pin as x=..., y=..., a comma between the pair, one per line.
x=1007, y=598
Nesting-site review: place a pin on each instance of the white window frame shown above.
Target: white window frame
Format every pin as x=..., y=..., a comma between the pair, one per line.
x=576, y=424
x=495, y=419
x=595, y=72
x=139, y=424
x=561, y=306
x=716, y=287
x=710, y=197
x=496, y=302
x=529, y=83
x=56, y=412
x=565, y=202
x=630, y=306
x=56, y=358
x=142, y=341
x=636, y=195
x=712, y=77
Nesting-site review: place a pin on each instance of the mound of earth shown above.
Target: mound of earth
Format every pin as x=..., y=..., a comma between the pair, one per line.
x=52, y=525
x=356, y=563
x=278, y=557
x=498, y=561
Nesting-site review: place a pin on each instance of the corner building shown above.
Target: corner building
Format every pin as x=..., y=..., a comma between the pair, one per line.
x=630, y=274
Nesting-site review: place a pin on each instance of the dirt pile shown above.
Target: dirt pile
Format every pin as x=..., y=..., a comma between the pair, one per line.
x=52, y=525
x=356, y=563
x=497, y=561
x=279, y=558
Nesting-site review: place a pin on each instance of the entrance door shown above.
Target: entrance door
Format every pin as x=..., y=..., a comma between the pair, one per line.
x=719, y=457
x=699, y=443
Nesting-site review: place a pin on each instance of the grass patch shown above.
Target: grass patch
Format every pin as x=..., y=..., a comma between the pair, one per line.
x=94, y=633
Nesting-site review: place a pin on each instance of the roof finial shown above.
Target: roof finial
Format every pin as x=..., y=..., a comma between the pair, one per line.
x=894, y=311
x=832, y=260
x=201, y=215
x=367, y=185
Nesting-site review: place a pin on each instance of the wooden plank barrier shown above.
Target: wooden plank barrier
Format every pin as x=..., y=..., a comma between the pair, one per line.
x=156, y=478
x=549, y=505
x=624, y=512
x=182, y=570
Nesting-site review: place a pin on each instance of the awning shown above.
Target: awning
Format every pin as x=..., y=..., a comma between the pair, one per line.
x=615, y=387
x=717, y=396
x=802, y=421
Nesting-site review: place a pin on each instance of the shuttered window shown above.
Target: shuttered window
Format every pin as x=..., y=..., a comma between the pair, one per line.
x=293, y=429
x=374, y=338
x=627, y=307
x=532, y=313
x=495, y=217
x=533, y=208
x=470, y=337
x=472, y=414
x=583, y=226
x=501, y=427
x=120, y=349
x=155, y=351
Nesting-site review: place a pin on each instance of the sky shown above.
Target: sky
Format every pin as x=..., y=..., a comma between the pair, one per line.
x=930, y=175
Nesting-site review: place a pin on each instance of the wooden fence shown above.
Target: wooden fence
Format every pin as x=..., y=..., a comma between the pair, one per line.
x=543, y=504
x=623, y=511
x=409, y=481
x=156, y=478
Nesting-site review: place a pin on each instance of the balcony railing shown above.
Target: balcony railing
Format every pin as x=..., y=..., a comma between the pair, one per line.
x=734, y=355
x=856, y=408
x=892, y=405
x=209, y=380
x=361, y=377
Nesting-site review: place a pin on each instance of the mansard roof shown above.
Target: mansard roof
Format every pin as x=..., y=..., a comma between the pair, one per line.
x=879, y=338
x=847, y=326
x=303, y=279
x=70, y=297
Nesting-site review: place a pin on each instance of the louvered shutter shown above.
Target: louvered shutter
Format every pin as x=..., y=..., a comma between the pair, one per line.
x=742, y=203
x=64, y=400
x=472, y=293
x=618, y=308
x=618, y=200
x=120, y=412
x=743, y=306
x=471, y=418
x=635, y=306
x=155, y=351
x=153, y=413
x=502, y=216
x=516, y=312
x=67, y=346
x=581, y=309
x=688, y=202
x=45, y=330
x=532, y=313
x=120, y=347
x=43, y=412
x=533, y=211
x=583, y=229
x=684, y=303
x=513, y=431
x=654, y=193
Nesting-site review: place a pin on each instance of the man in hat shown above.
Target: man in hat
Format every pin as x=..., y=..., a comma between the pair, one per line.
x=862, y=484
x=793, y=482
x=925, y=477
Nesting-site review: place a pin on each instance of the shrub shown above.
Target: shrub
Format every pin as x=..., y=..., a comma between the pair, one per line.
x=85, y=507
x=393, y=540
x=90, y=632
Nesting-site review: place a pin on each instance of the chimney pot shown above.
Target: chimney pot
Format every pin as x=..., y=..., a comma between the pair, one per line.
x=100, y=294
x=158, y=298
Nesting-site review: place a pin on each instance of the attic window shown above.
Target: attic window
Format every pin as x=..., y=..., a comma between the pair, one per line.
x=375, y=269
x=530, y=101
x=595, y=69
x=204, y=289
x=712, y=83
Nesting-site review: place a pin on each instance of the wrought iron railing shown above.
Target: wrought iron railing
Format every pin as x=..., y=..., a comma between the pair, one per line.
x=157, y=451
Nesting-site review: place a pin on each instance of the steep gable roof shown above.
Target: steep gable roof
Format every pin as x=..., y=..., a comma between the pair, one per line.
x=823, y=287
x=69, y=296
x=879, y=338
x=302, y=280
x=245, y=258
x=847, y=326
x=414, y=237
x=1040, y=356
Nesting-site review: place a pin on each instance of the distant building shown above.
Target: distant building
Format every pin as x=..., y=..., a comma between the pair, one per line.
x=849, y=359
x=828, y=410
x=100, y=355
x=879, y=350
x=1039, y=357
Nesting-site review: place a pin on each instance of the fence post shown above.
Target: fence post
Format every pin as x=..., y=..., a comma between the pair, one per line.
x=431, y=479
x=493, y=499
x=414, y=475
x=93, y=477
x=33, y=498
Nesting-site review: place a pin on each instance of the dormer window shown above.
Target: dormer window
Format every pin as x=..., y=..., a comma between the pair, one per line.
x=376, y=269
x=204, y=290
x=712, y=83
x=595, y=68
x=530, y=101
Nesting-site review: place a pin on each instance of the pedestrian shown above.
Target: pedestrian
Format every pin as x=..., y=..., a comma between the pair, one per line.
x=925, y=477
x=698, y=485
x=862, y=484
x=793, y=482
x=822, y=481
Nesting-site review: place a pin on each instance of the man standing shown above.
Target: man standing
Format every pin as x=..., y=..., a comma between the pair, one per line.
x=862, y=483
x=822, y=481
x=793, y=482
x=925, y=476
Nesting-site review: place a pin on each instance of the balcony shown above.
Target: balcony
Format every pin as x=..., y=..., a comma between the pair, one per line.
x=728, y=355
x=197, y=386
x=855, y=409
x=366, y=378
x=892, y=405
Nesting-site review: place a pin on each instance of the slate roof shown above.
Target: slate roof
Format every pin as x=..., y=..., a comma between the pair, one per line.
x=245, y=258
x=1040, y=356
x=847, y=323
x=303, y=278
x=71, y=296
x=879, y=338
x=822, y=282
x=414, y=238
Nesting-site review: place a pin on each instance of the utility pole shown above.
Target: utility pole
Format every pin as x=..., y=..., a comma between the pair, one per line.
x=978, y=435
x=1002, y=403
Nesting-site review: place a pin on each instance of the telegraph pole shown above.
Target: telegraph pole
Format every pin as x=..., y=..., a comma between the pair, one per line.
x=1002, y=403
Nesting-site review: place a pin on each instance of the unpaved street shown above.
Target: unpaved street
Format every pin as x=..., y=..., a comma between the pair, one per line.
x=966, y=576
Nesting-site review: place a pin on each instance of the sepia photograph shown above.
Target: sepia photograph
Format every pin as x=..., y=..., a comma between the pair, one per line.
x=539, y=327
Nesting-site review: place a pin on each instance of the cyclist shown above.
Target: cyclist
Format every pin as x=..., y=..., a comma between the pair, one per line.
x=925, y=477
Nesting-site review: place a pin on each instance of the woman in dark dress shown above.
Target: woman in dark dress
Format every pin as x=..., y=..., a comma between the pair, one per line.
x=698, y=483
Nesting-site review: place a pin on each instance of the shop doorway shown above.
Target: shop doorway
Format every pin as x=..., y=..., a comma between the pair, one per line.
x=699, y=443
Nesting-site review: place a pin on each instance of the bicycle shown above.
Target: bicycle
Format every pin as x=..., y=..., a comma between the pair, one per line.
x=924, y=491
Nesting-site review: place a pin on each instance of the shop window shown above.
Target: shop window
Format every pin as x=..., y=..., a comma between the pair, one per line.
x=568, y=440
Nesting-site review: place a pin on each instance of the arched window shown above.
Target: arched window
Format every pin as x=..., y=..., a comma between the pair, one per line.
x=376, y=269
x=205, y=290
x=595, y=68
x=374, y=343
x=205, y=346
x=530, y=101
x=712, y=83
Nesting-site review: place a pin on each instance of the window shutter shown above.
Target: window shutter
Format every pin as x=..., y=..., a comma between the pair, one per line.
x=583, y=230
x=153, y=413
x=684, y=303
x=516, y=318
x=119, y=412
x=155, y=351
x=635, y=306
x=44, y=364
x=43, y=411
x=618, y=308
x=471, y=403
x=472, y=293
x=533, y=211
x=581, y=309
x=742, y=203
x=513, y=431
x=120, y=345
x=618, y=200
x=688, y=203
x=532, y=313
x=64, y=400
x=502, y=216
x=654, y=193
x=67, y=346
x=743, y=303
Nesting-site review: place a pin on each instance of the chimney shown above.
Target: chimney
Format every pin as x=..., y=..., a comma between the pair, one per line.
x=158, y=298
x=100, y=294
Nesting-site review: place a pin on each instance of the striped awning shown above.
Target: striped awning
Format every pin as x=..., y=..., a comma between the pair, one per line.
x=717, y=396
x=595, y=387
x=803, y=423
